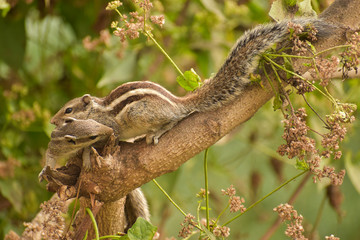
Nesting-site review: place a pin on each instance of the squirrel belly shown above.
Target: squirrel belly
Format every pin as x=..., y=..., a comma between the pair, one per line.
x=146, y=108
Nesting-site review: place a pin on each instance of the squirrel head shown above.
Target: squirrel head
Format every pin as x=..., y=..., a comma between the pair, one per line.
x=78, y=108
x=75, y=135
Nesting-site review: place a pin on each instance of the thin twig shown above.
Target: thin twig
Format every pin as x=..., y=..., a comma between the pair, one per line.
x=266, y=196
x=314, y=111
x=74, y=209
x=292, y=199
x=206, y=188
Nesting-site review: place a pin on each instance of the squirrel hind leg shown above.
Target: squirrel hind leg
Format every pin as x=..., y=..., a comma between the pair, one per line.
x=153, y=137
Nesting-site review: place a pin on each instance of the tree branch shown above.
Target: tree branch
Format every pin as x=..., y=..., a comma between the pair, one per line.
x=130, y=165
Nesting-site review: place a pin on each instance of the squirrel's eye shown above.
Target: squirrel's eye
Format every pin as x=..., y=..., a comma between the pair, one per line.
x=68, y=110
x=93, y=137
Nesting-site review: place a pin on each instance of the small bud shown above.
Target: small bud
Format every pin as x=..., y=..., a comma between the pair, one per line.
x=113, y=5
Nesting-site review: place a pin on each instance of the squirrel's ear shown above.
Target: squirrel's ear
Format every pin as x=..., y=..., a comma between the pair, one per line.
x=86, y=99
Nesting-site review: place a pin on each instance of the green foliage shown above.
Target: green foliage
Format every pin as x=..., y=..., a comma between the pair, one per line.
x=141, y=230
x=189, y=81
x=285, y=9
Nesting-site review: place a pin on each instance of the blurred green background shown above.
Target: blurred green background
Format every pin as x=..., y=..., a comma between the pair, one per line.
x=44, y=63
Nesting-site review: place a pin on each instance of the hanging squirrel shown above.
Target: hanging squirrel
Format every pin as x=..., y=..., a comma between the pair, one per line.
x=74, y=136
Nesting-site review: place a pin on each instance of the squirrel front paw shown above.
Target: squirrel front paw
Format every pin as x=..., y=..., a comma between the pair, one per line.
x=86, y=159
x=41, y=174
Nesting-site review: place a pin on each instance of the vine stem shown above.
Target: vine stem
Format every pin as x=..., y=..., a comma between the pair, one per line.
x=172, y=201
x=74, y=209
x=164, y=52
x=291, y=200
x=149, y=35
x=282, y=90
x=332, y=48
x=287, y=55
x=97, y=236
x=297, y=75
x=111, y=237
x=266, y=196
x=168, y=197
x=305, y=57
x=206, y=188
x=314, y=111
x=222, y=212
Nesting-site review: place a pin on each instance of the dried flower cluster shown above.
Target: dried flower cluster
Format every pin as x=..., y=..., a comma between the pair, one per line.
x=295, y=134
x=221, y=231
x=54, y=224
x=298, y=144
x=91, y=44
x=296, y=31
x=336, y=179
x=301, y=85
x=131, y=26
x=187, y=226
x=113, y=5
x=325, y=69
x=202, y=194
x=236, y=203
x=294, y=229
x=54, y=227
x=337, y=133
x=331, y=237
x=350, y=57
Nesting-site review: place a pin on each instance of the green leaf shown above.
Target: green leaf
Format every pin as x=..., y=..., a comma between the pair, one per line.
x=141, y=230
x=282, y=9
x=313, y=49
x=305, y=8
x=208, y=233
x=190, y=81
x=277, y=11
x=124, y=237
x=289, y=66
x=277, y=102
x=290, y=3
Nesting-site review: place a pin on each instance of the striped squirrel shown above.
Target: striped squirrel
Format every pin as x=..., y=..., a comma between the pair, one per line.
x=71, y=137
x=146, y=108
x=76, y=135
